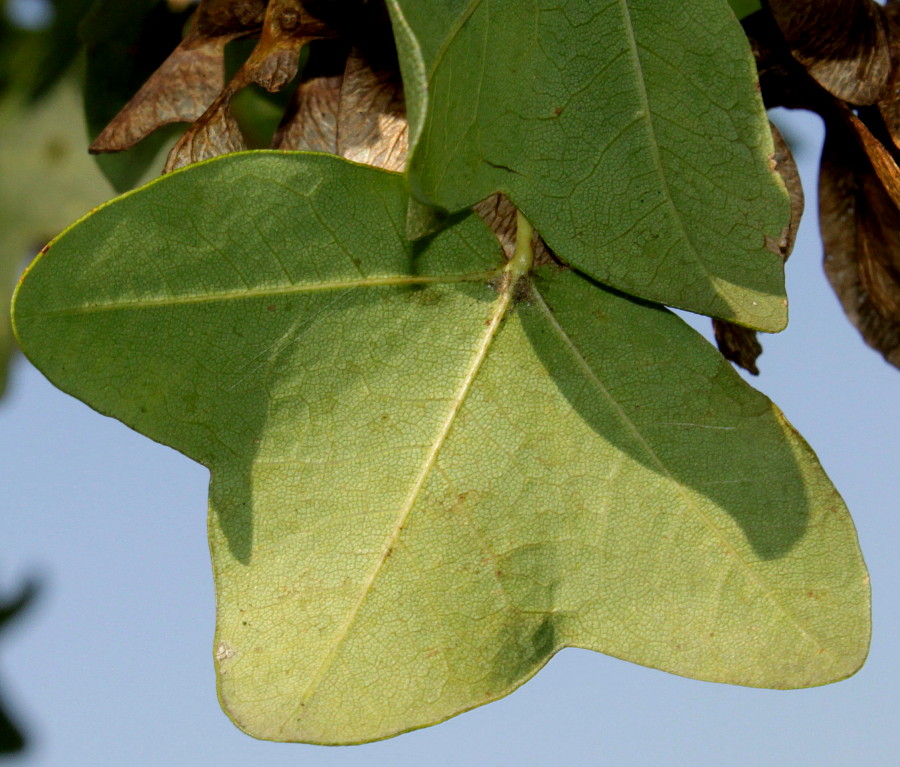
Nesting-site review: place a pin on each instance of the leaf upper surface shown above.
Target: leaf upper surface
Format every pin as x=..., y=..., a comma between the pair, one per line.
x=628, y=131
x=427, y=477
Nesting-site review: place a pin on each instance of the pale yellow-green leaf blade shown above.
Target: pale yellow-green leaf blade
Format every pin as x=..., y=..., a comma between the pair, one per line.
x=427, y=479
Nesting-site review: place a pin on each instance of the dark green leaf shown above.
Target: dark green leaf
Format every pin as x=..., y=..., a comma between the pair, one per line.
x=628, y=131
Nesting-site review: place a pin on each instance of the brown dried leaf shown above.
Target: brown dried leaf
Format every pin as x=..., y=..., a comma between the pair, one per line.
x=272, y=64
x=861, y=233
x=842, y=43
x=189, y=79
x=738, y=344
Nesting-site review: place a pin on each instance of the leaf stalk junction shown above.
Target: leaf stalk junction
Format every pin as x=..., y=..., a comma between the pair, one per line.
x=523, y=259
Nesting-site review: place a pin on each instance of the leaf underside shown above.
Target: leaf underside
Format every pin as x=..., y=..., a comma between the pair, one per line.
x=427, y=477
x=629, y=132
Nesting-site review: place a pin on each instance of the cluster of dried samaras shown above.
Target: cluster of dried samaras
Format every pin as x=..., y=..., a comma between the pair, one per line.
x=839, y=58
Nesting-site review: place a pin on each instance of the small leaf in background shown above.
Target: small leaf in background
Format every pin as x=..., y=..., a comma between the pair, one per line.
x=11, y=738
x=61, y=46
x=842, y=43
x=744, y=8
x=39, y=142
x=860, y=223
x=431, y=468
x=738, y=344
x=613, y=128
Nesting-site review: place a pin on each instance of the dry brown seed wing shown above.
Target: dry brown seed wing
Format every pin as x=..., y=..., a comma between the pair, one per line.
x=738, y=345
x=889, y=104
x=189, y=79
x=880, y=158
x=842, y=43
x=272, y=64
x=310, y=122
x=372, y=126
x=860, y=226
x=499, y=214
x=359, y=114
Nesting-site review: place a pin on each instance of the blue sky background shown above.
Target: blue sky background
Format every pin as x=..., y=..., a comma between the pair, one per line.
x=113, y=665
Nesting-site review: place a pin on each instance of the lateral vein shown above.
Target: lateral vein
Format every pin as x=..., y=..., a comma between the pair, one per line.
x=689, y=502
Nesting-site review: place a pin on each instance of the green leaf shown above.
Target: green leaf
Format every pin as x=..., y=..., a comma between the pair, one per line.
x=47, y=180
x=630, y=132
x=744, y=8
x=427, y=474
x=124, y=44
x=61, y=45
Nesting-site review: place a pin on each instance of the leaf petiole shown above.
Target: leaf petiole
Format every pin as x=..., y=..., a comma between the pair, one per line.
x=523, y=258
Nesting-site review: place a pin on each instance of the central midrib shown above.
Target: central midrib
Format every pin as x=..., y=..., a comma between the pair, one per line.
x=494, y=322
x=638, y=66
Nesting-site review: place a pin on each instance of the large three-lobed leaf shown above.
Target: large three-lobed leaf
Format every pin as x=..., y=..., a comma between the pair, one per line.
x=429, y=473
x=630, y=132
